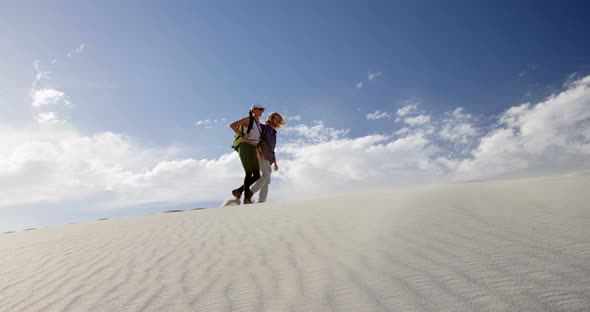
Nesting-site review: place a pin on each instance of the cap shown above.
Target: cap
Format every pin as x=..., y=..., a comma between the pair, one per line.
x=254, y=106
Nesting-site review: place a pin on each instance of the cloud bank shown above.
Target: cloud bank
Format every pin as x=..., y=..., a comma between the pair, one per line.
x=55, y=163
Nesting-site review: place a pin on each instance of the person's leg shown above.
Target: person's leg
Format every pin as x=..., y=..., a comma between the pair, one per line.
x=264, y=189
x=264, y=175
x=262, y=183
x=255, y=171
x=244, y=150
x=238, y=192
x=255, y=176
x=252, y=170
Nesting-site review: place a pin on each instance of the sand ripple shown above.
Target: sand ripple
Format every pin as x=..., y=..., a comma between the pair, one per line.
x=520, y=245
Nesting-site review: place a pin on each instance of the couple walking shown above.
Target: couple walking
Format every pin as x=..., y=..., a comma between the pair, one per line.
x=257, y=151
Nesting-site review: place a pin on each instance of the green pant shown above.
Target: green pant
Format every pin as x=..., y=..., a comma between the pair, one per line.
x=249, y=159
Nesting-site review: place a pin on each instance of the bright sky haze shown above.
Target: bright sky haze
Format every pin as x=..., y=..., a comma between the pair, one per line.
x=122, y=107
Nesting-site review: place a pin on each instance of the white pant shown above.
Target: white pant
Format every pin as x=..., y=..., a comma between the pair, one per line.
x=262, y=183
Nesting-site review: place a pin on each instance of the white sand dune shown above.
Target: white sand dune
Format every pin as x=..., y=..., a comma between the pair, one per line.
x=521, y=245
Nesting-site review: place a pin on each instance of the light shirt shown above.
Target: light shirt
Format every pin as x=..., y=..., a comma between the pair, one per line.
x=254, y=133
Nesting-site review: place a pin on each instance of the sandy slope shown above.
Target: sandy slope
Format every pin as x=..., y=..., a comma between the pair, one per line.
x=521, y=245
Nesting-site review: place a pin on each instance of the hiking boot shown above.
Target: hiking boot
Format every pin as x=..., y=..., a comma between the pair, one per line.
x=248, y=201
x=237, y=194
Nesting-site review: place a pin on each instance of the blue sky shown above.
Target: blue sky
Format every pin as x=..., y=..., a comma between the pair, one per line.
x=155, y=85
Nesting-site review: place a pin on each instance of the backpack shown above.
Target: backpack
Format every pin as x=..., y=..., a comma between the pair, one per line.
x=238, y=136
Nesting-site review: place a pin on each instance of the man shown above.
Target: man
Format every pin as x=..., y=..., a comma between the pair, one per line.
x=266, y=156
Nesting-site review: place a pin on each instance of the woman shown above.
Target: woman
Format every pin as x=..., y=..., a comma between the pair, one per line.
x=267, y=154
x=247, y=150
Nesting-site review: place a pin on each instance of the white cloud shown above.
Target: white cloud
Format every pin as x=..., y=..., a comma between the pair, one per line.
x=209, y=123
x=460, y=132
x=571, y=80
x=54, y=165
x=80, y=48
x=370, y=77
x=546, y=137
x=48, y=96
x=352, y=164
x=49, y=118
x=45, y=117
x=76, y=51
x=203, y=122
x=374, y=75
x=317, y=133
x=378, y=115
x=293, y=118
x=43, y=98
x=418, y=120
x=41, y=74
x=457, y=127
x=406, y=110
x=402, y=132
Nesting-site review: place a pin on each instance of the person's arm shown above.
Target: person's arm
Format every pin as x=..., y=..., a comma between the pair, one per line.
x=274, y=157
x=274, y=160
x=242, y=122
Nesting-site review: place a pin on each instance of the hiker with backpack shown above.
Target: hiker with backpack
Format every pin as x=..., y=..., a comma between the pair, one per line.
x=266, y=156
x=248, y=134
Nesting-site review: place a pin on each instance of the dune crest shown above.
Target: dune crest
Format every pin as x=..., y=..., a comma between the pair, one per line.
x=519, y=245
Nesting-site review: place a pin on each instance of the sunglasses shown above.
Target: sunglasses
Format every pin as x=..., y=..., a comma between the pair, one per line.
x=260, y=109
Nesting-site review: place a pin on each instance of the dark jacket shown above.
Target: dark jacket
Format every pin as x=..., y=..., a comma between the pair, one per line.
x=268, y=143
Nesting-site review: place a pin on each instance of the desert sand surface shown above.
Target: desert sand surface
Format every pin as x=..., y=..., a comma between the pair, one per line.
x=514, y=245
